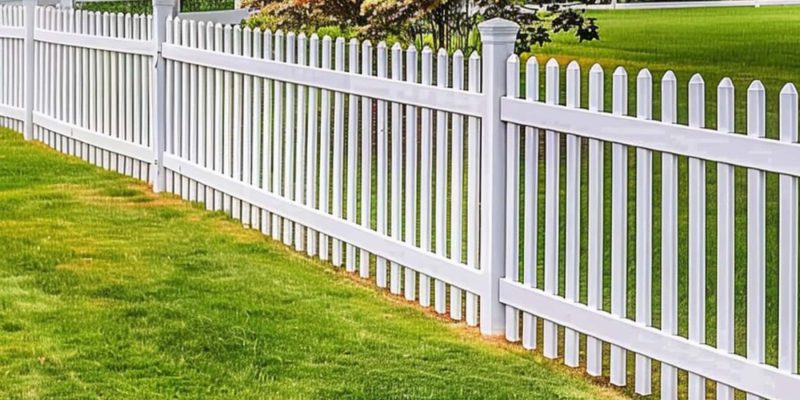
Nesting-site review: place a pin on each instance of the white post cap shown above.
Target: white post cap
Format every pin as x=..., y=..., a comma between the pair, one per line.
x=498, y=30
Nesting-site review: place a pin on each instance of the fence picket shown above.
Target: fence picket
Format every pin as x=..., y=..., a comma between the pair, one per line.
x=324, y=148
x=619, y=225
x=697, y=228
x=669, y=234
x=192, y=114
x=573, y=217
x=473, y=186
x=531, y=225
x=382, y=167
x=756, y=237
x=366, y=157
x=512, y=199
x=277, y=135
x=288, y=138
x=352, y=154
x=313, y=140
x=300, y=145
x=267, y=135
x=235, y=124
x=425, y=168
x=551, y=224
x=725, y=234
x=787, y=291
x=396, y=174
x=410, y=222
x=594, y=347
x=457, y=186
x=338, y=151
x=255, y=125
x=219, y=121
x=173, y=180
x=439, y=288
x=644, y=234
x=247, y=124
x=203, y=114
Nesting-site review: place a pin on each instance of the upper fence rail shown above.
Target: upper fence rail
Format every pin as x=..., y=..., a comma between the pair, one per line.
x=424, y=171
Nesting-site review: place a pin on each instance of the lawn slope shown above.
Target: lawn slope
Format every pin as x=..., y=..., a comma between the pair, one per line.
x=107, y=290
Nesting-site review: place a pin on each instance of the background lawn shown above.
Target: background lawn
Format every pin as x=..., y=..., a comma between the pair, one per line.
x=107, y=290
x=743, y=43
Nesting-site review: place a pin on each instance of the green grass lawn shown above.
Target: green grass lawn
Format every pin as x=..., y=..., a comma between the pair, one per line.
x=107, y=290
x=743, y=43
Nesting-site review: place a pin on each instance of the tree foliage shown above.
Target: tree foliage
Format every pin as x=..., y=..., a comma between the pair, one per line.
x=449, y=24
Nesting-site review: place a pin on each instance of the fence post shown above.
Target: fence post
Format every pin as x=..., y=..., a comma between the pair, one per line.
x=497, y=41
x=162, y=9
x=30, y=11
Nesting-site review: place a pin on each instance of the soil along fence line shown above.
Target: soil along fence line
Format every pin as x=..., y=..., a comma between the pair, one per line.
x=441, y=178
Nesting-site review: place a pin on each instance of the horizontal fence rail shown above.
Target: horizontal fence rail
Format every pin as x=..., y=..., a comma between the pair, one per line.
x=604, y=237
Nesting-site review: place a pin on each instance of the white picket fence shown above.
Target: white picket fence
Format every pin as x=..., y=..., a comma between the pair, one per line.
x=422, y=170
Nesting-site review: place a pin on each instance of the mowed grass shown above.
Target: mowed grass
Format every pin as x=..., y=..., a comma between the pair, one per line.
x=743, y=43
x=107, y=290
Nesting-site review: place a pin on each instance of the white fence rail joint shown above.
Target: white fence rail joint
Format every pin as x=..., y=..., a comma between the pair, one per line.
x=424, y=171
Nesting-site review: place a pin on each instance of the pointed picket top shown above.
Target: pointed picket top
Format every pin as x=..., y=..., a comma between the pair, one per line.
x=756, y=109
x=427, y=50
x=756, y=86
x=669, y=98
x=366, y=44
x=381, y=44
x=789, y=89
x=532, y=79
x=257, y=30
x=396, y=46
x=459, y=54
x=725, y=106
x=697, y=100
x=788, y=113
x=441, y=68
x=532, y=62
x=474, y=55
x=573, y=66
x=644, y=94
x=619, y=92
x=411, y=48
x=512, y=73
x=573, y=84
x=301, y=36
x=696, y=80
x=340, y=40
x=314, y=36
x=596, y=88
x=327, y=39
x=551, y=82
